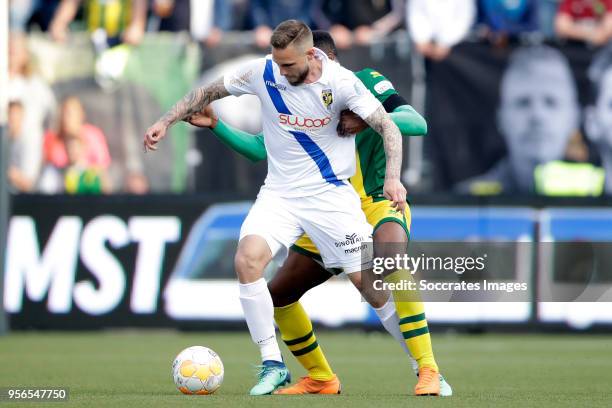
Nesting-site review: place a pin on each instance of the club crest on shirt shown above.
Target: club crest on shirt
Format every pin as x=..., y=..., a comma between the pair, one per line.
x=327, y=97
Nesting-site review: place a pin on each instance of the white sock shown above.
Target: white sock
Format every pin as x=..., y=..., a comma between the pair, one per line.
x=390, y=321
x=259, y=314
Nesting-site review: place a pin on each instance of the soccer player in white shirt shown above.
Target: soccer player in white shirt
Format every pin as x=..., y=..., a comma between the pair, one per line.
x=302, y=94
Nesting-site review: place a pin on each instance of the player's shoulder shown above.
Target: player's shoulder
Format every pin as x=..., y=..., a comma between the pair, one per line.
x=344, y=79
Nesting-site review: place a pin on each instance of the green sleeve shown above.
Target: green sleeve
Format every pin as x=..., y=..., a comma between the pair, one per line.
x=409, y=121
x=250, y=146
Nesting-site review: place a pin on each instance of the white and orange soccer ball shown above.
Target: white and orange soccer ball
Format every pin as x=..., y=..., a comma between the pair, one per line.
x=197, y=370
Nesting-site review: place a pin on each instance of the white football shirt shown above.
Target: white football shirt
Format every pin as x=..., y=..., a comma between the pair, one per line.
x=305, y=154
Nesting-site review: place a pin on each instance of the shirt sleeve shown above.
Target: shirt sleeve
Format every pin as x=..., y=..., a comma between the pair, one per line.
x=353, y=95
x=241, y=81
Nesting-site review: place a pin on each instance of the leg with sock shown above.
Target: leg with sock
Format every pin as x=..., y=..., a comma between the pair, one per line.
x=298, y=274
x=296, y=331
x=391, y=240
x=257, y=307
x=390, y=321
x=252, y=256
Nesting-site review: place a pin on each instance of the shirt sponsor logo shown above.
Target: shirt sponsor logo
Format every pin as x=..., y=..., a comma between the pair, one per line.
x=275, y=85
x=303, y=123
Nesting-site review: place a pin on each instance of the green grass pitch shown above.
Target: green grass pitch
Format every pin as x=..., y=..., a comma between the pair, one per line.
x=132, y=369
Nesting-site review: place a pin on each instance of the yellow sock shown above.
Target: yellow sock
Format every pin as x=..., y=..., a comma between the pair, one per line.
x=296, y=331
x=412, y=322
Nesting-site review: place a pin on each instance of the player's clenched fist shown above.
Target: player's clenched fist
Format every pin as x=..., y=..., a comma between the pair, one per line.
x=350, y=124
x=395, y=192
x=153, y=135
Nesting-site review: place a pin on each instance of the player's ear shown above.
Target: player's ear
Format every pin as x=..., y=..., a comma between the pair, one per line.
x=310, y=53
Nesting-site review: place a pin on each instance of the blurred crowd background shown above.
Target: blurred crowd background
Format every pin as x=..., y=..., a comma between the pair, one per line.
x=517, y=93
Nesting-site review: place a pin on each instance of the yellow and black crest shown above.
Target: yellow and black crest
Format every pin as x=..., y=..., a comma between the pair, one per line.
x=327, y=97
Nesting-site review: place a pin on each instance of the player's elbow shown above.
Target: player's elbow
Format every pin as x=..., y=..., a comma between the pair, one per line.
x=420, y=123
x=422, y=129
x=256, y=158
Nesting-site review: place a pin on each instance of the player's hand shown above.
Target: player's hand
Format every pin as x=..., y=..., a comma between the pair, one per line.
x=350, y=123
x=394, y=191
x=206, y=118
x=153, y=135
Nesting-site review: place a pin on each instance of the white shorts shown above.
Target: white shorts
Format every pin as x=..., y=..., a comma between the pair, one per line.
x=333, y=220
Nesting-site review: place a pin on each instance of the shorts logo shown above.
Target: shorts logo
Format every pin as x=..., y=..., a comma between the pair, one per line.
x=327, y=97
x=352, y=250
x=349, y=240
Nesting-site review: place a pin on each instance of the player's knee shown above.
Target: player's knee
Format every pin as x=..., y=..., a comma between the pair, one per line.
x=249, y=265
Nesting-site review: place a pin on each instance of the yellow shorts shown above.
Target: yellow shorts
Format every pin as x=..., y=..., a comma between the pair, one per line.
x=377, y=213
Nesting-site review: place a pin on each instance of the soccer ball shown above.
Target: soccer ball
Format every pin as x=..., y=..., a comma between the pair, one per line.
x=197, y=370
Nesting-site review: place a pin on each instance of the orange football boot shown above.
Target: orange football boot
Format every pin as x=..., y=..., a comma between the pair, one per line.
x=307, y=385
x=429, y=382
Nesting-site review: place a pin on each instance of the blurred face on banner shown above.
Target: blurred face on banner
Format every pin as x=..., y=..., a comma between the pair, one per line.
x=599, y=117
x=539, y=110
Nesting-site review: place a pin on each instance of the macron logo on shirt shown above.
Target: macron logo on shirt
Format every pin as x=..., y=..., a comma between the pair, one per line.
x=275, y=85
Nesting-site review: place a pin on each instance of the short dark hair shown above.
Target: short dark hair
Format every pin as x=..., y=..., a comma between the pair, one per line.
x=324, y=41
x=291, y=32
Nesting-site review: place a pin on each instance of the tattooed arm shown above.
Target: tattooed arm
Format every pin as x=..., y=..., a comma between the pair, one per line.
x=192, y=103
x=381, y=122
